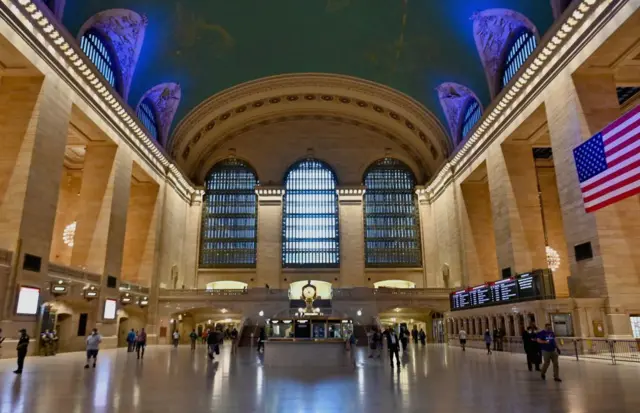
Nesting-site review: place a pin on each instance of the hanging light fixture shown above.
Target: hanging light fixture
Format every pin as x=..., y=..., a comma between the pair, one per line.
x=69, y=234
x=553, y=258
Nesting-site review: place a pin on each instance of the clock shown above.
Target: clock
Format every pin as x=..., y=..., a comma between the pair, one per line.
x=309, y=292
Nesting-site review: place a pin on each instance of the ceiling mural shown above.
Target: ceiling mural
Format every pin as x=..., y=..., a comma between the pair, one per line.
x=210, y=45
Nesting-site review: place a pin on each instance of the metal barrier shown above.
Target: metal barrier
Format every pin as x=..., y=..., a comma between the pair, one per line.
x=612, y=350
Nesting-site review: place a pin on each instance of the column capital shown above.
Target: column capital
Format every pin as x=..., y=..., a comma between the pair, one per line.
x=423, y=195
x=270, y=195
x=197, y=196
x=350, y=194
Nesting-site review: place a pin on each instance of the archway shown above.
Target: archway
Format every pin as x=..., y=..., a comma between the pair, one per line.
x=227, y=285
x=394, y=284
x=324, y=290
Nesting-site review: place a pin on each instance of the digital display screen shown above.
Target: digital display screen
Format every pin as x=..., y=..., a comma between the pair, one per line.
x=528, y=286
x=28, y=300
x=109, y=309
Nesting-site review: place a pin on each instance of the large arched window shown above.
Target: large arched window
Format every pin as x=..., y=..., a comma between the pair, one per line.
x=228, y=236
x=392, y=229
x=97, y=50
x=310, y=217
x=524, y=43
x=472, y=115
x=147, y=115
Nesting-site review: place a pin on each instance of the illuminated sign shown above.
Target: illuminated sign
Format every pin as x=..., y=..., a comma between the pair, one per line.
x=109, y=309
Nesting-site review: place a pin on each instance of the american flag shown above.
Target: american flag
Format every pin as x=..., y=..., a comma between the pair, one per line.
x=609, y=163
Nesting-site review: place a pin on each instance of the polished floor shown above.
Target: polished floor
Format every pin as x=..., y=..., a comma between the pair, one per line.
x=432, y=379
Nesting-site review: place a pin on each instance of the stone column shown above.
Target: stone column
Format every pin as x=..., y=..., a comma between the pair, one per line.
x=577, y=108
x=34, y=124
x=517, y=217
x=432, y=277
x=269, y=253
x=352, y=259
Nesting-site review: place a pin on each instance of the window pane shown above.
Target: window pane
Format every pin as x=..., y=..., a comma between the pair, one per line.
x=392, y=229
x=147, y=116
x=520, y=50
x=229, y=216
x=310, y=217
x=471, y=117
x=97, y=51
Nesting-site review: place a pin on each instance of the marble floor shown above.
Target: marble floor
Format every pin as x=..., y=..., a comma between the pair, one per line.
x=432, y=379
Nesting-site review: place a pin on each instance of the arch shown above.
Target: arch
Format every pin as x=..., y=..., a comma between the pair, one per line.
x=146, y=112
x=324, y=289
x=227, y=285
x=310, y=236
x=232, y=113
x=455, y=100
x=521, y=44
x=493, y=30
x=165, y=99
x=99, y=50
x=394, y=284
x=229, y=216
x=125, y=29
x=391, y=224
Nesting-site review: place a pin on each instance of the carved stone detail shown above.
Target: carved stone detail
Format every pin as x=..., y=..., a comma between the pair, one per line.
x=165, y=98
x=453, y=99
x=492, y=30
x=125, y=29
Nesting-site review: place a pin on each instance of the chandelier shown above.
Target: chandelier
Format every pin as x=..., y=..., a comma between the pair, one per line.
x=553, y=258
x=69, y=234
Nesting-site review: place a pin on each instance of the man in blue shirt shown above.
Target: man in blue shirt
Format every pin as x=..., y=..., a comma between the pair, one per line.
x=550, y=351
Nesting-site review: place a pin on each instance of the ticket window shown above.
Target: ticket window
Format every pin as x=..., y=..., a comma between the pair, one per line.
x=562, y=325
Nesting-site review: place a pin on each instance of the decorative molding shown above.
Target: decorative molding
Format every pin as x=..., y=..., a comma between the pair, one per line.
x=125, y=29
x=38, y=27
x=557, y=46
x=453, y=99
x=166, y=99
x=205, y=160
x=270, y=195
x=278, y=96
x=492, y=30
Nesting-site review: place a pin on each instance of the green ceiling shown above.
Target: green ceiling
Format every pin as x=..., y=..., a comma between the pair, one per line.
x=210, y=45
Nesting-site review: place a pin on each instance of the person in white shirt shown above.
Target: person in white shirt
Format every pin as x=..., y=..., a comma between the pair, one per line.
x=462, y=335
x=176, y=338
x=93, y=346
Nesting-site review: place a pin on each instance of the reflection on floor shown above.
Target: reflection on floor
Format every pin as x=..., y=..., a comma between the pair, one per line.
x=432, y=379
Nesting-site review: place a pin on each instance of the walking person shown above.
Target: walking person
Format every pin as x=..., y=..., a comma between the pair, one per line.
x=176, y=338
x=414, y=335
x=211, y=344
x=234, y=341
x=21, y=348
x=261, y=338
x=550, y=352
x=393, y=345
x=194, y=337
x=141, y=343
x=93, y=346
x=423, y=337
x=404, y=337
x=462, y=336
x=375, y=344
x=531, y=347
x=131, y=341
x=487, y=340
x=496, y=335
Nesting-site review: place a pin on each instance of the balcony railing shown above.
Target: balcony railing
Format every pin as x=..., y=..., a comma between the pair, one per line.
x=128, y=287
x=74, y=274
x=357, y=293
x=614, y=351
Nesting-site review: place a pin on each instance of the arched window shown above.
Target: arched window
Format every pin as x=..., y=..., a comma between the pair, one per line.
x=392, y=229
x=521, y=48
x=472, y=115
x=147, y=115
x=310, y=217
x=228, y=236
x=95, y=47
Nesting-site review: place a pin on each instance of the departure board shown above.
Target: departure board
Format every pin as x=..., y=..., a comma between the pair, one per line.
x=534, y=285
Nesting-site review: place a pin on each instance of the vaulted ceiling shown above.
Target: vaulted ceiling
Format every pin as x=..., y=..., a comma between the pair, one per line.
x=210, y=45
